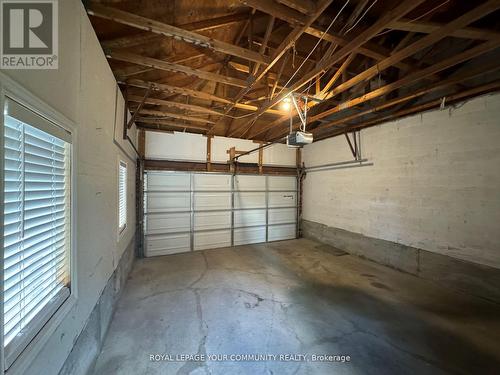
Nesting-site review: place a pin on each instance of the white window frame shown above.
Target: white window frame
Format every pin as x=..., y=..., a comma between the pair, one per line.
x=13, y=90
x=122, y=230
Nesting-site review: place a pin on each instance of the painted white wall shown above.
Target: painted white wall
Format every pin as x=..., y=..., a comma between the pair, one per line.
x=193, y=147
x=434, y=185
x=85, y=91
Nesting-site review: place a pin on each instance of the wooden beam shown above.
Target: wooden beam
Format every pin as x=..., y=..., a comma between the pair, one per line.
x=399, y=11
x=167, y=103
x=427, y=27
x=340, y=71
x=408, y=80
x=263, y=46
x=277, y=10
x=489, y=87
x=141, y=140
x=405, y=81
x=147, y=37
x=141, y=104
x=171, y=67
x=251, y=168
x=450, y=82
x=150, y=124
x=189, y=92
x=411, y=78
x=209, y=153
x=179, y=116
x=303, y=6
x=285, y=45
x=467, y=18
x=143, y=23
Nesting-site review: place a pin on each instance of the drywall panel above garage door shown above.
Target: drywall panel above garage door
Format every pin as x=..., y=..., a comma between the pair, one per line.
x=193, y=147
x=177, y=146
x=198, y=211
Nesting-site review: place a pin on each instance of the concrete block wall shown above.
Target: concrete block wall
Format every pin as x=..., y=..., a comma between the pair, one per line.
x=434, y=185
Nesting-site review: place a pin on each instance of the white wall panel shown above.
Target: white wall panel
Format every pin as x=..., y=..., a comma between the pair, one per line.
x=247, y=218
x=249, y=182
x=212, y=182
x=434, y=183
x=168, y=202
x=167, y=244
x=212, y=240
x=244, y=236
x=282, y=215
x=280, y=154
x=220, y=145
x=158, y=223
x=212, y=220
x=282, y=183
x=281, y=232
x=249, y=200
x=279, y=199
x=168, y=181
x=177, y=146
x=212, y=201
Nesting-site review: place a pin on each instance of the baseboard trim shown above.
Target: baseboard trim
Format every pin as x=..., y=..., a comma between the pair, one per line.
x=471, y=278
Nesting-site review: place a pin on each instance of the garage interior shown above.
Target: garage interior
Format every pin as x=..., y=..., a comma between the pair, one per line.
x=254, y=187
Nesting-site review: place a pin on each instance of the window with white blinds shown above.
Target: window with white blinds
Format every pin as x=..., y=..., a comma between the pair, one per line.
x=122, y=196
x=37, y=227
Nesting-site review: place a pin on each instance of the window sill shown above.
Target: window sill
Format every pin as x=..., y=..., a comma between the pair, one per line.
x=29, y=354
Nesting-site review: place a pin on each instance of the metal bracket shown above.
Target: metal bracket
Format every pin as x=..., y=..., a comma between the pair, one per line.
x=353, y=147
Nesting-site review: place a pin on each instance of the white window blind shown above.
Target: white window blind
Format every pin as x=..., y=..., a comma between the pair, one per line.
x=122, y=196
x=36, y=225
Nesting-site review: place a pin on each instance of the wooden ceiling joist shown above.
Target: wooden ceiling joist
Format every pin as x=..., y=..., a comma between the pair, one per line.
x=157, y=27
x=193, y=93
x=419, y=45
x=146, y=123
x=427, y=27
x=147, y=37
x=482, y=89
x=167, y=103
x=153, y=112
x=172, y=67
x=405, y=81
x=399, y=11
x=303, y=6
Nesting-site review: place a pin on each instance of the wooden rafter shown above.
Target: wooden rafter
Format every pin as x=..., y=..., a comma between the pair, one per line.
x=153, y=112
x=167, y=103
x=157, y=27
x=405, y=81
x=427, y=27
x=482, y=89
x=402, y=9
x=172, y=67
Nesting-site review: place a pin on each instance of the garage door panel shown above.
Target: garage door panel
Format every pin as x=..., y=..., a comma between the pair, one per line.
x=168, y=181
x=281, y=232
x=282, y=215
x=249, y=200
x=243, y=236
x=280, y=199
x=282, y=183
x=168, y=202
x=246, y=218
x=212, y=182
x=212, y=239
x=168, y=223
x=212, y=201
x=249, y=183
x=167, y=244
x=212, y=220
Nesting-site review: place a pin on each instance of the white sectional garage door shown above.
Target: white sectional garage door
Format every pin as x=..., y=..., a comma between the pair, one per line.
x=197, y=211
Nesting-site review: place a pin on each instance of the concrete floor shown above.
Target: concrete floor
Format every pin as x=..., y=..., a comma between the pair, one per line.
x=295, y=297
